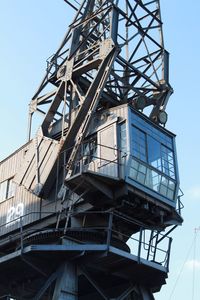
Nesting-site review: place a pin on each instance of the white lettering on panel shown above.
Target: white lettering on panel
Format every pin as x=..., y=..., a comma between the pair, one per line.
x=14, y=214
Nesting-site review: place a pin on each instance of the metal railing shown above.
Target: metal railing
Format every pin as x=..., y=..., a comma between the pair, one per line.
x=145, y=245
x=86, y=160
x=119, y=166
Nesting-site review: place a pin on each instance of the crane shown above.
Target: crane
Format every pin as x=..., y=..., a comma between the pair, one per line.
x=87, y=207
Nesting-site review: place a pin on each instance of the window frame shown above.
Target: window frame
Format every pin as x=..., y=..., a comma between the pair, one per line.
x=169, y=173
x=145, y=144
x=10, y=189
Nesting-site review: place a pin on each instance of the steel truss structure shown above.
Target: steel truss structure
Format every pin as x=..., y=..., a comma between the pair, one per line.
x=112, y=54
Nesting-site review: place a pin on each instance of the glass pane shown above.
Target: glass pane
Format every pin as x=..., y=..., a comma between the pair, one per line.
x=152, y=179
x=141, y=177
x=163, y=190
x=149, y=179
x=11, y=189
x=171, y=185
x=123, y=143
x=156, y=178
x=138, y=139
x=86, y=152
x=142, y=169
x=154, y=153
x=93, y=148
x=152, y=131
x=164, y=186
x=90, y=150
x=153, y=150
x=167, y=161
x=133, y=173
x=134, y=164
x=3, y=190
x=170, y=194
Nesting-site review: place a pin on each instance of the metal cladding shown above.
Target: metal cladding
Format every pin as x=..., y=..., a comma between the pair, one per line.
x=89, y=196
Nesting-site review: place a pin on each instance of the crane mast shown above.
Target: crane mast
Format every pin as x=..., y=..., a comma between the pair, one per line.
x=95, y=192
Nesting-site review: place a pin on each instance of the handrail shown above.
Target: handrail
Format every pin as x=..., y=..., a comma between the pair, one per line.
x=28, y=214
x=93, y=162
x=142, y=245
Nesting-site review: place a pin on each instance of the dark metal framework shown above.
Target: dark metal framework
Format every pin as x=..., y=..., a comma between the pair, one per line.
x=112, y=54
x=76, y=270
x=122, y=41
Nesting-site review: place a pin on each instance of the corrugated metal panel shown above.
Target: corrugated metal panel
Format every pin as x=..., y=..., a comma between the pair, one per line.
x=107, y=161
x=23, y=204
x=9, y=166
x=107, y=151
x=121, y=111
x=27, y=206
x=108, y=116
x=40, y=159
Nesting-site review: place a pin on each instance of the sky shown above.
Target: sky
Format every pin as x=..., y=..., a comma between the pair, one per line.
x=30, y=32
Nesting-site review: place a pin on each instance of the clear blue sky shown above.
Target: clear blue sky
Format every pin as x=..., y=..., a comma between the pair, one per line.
x=30, y=31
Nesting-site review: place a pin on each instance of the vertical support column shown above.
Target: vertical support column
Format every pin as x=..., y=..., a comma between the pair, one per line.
x=114, y=25
x=66, y=287
x=30, y=116
x=109, y=233
x=168, y=252
x=146, y=294
x=140, y=245
x=166, y=67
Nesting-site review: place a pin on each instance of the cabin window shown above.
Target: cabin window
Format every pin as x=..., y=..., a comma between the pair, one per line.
x=123, y=139
x=152, y=158
x=90, y=150
x=161, y=157
x=139, y=144
x=7, y=189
